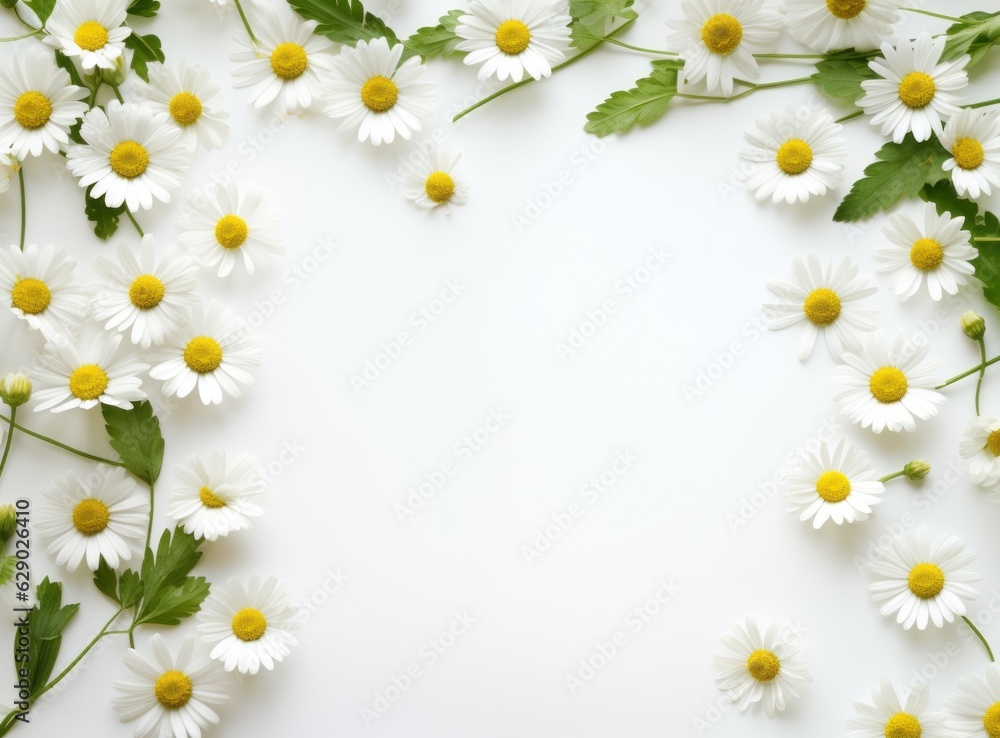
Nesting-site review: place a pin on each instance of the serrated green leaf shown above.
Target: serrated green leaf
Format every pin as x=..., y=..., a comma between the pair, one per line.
x=172, y=604
x=144, y=8
x=130, y=588
x=841, y=73
x=644, y=103
x=106, y=581
x=592, y=19
x=7, y=566
x=48, y=619
x=66, y=63
x=168, y=569
x=42, y=8
x=439, y=40
x=901, y=170
x=104, y=218
x=135, y=435
x=976, y=34
x=145, y=51
x=346, y=22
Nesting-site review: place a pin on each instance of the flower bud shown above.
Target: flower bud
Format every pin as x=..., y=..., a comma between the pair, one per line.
x=8, y=520
x=116, y=76
x=917, y=469
x=15, y=389
x=973, y=325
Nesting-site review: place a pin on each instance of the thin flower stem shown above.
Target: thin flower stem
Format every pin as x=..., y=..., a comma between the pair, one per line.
x=984, y=103
x=24, y=204
x=92, y=98
x=934, y=15
x=751, y=88
x=134, y=222
x=849, y=116
x=789, y=56
x=659, y=52
x=10, y=437
x=8, y=722
x=18, y=38
x=149, y=527
x=246, y=23
x=987, y=239
x=888, y=477
x=969, y=373
x=72, y=664
x=63, y=446
x=982, y=371
x=118, y=94
x=989, y=651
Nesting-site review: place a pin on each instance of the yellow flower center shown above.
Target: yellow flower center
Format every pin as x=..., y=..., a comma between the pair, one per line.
x=993, y=443
x=129, y=159
x=917, y=90
x=91, y=516
x=210, y=499
x=31, y=296
x=231, y=231
x=794, y=156
x=822, y=306
x=722, y=33
x=379, y=93
x=833, y=486
x=513, y=37
x=146, y=292
x=926, y=580
x=968, y=153
x=91, y=36
x=173, y=689
x=203, y=354
x=991, y=720
x=32, y=109
x=249, y=624
x=888, y=385
x=903, y=725
x=846, y=9
x=439, y=187
x=763, y=665
x=185, y=108
x=88, y=382
x=926, y=254
x=289, y=61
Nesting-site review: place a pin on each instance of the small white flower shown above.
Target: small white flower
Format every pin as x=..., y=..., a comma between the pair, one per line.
x=194, y=103
x=93, y=30
x=837, y=483
x=830, y=25
x=433, y=182
x=973, y=139
x=886, y=715
x=215, y=496
x=981, y=446
x=974, y=709
x=38, y=286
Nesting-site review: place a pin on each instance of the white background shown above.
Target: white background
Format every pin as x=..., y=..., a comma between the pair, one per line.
x=701, y=462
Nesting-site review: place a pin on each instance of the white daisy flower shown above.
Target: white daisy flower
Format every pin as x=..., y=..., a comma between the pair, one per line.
x=9, y=166
x=981, y=446
x=794, y=156
x=38, y=286
x=886, y=386
x=511, y=37
x=433, y=182
x=973, y=139
x=173, y=697
x=93, y=30
x=251, y=625
x=212, y=352
x=830, y=25
x=369, y=92
x=151, y=297
x=837, y=483
x=828, y=301
x=921, y=582
x=887, y=715
x=192, y=100
x=99, y=518
x=974, y=710
x=916, y=89
x=132, y=156
x=215, y=495
x=718, y=38
x=69, y=378
x=37, y=104
x=754, y=668
x=235, y=223
x=289, y=61
x=940, y=251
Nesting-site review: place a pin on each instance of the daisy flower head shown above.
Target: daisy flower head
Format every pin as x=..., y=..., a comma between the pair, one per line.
x=132, y=156
x=100, y=517
x=981, y=446
x=433, y=182
x=93, y=30
x=151, y=297
x=84, y=379
x=937, y=251
x=37, y=284
x=886, y=715
x=794, y=155
x=369, y=90
x=828, y=300
x=974, y=710
x=973, y=139
x=830, y=25
x=192, y=100
x=211, y=352
x=250, y=624
x=718, y=38
x=755, y=668
x=923, y=582
x=172, y=695
x=885, y=386
x=235, y=223
x=915, y=91
x=215, y=494
x=38, y=104
x=509, y=38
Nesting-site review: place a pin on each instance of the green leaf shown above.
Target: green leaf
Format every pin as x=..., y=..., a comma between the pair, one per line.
x=105, y=219
x=7, y=565
x=145, y=50
x=48, y=619
x=841, y=73
x=66, y=63
x=644, y=103
x=42, y=8
x=130, y=588
x=106, y=581
x=901, y=170
x=976, y=34
x=135, y=435
x=144, y=8
x=439, y=40
x=167, y=571
x=345, y=21
x=592, y=19
x=173, y=604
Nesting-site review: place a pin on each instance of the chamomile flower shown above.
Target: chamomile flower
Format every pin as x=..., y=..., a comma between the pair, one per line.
x=836, y=483
x=101, y=517
x=132, y=156
x=973, y=139
x=828, y=300
x=250, y=624
x=38, y=104
x=173, y=695
x=884, y=386
x=70, y=378
x=829, y=25
x=150, y=296
x=923, y=582
x=235, y=223
x=981, y=446
x=9, y=166
x=916, y=90
x=93, y=30
x=38, y=286
x=211, y=352
x=193, y=102
x=512, y=37
x=887, y=715
x=938, y=251
x=433, y=182
x=369, y=90
x=718, y=38
x=974, y=710
x=215, y=494
x=764, y=668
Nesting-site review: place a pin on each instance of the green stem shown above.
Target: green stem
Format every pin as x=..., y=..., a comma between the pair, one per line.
x=149, y=528
x=18, y=38
x=24, y=204
x=789, y=56
x=63, y=446
x=934, y=15
x=118, y=94
x=659, y=52
x=987, y=239
x=10, y=437
x=984, y=103
x=134, y=222
x=8, y=722
x=982, y=371
x=973, y=370
x=92, y=98
x=888, y=477
x=989, y=651
x=103, y=632
x=751, y=88
x=246, y=23
x=849, y=116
